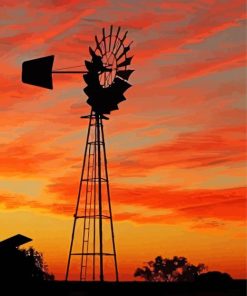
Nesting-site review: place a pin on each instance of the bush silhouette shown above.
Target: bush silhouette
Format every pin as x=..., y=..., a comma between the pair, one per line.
x=176, y=269
x=216, y=277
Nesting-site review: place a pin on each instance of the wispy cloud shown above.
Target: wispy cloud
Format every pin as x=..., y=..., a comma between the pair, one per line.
x=177, y=145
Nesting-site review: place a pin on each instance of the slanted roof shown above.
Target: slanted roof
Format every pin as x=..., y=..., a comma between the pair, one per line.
x=15, y=241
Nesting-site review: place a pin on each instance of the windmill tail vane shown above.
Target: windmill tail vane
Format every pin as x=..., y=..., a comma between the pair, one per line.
x=92, y=247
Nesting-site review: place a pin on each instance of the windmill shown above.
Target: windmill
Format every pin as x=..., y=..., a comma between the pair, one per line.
x=106, y=81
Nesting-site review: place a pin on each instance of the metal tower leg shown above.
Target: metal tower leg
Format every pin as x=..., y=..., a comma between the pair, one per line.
x=97, y=205
x=109, y=202
x=98, y=141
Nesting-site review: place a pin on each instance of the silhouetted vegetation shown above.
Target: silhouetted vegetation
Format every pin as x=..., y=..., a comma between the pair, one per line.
x=176, y=269
x=23, y=265
x=216, y=277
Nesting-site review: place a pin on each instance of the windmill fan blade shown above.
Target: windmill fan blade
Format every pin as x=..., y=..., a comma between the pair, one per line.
x=98, y=45
x=104, y=39
x=116, y=38
x=90, y=91
x=87, y=78
x=91, y=51
x=119, y=86
x=113, y=107
x=124, y=37
x=121, y=98
x=121, y=42
x=125, y=63
x=110, y=36
x=125, y=74
x=126, y=49
x=89, y=65
x=38, y=72
x=116, y=100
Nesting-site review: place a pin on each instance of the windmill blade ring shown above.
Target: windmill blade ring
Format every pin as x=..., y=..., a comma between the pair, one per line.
x=108, y=73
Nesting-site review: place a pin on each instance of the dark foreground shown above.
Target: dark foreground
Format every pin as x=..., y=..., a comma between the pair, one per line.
x=56, y=288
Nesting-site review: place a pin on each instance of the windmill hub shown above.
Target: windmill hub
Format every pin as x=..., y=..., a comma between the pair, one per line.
x=110, y=62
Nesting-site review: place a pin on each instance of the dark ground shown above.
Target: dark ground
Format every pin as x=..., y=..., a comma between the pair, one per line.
x=56, y=288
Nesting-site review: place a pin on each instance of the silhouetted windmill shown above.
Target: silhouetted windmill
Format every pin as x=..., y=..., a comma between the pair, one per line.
x=107, y=80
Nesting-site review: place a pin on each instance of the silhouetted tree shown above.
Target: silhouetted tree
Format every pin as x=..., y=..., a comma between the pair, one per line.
x=23, y=265
x=35, y=265
x=169, y=270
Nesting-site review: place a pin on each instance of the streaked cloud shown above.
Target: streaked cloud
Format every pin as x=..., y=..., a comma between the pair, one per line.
x=176, y=147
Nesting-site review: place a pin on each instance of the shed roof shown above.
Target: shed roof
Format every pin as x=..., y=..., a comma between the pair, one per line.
x=15, y=241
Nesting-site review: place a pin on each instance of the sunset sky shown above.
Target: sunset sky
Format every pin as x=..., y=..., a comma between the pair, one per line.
x=176, y=148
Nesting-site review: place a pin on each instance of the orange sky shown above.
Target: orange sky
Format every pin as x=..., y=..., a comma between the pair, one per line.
x=176, y=148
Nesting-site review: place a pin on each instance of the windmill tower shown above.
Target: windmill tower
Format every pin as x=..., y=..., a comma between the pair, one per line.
x=92, y=240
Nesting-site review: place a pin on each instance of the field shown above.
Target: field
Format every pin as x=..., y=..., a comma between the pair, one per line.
x=56, y=288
